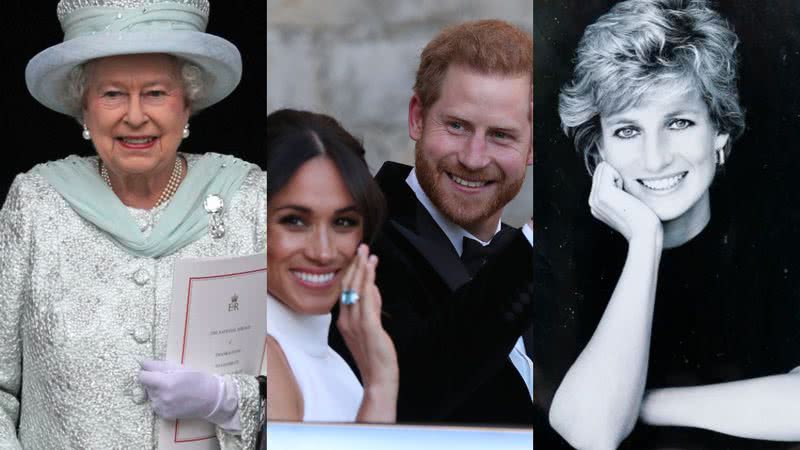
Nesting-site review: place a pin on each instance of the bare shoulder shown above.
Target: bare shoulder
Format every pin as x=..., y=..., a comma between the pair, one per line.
x=284, y=400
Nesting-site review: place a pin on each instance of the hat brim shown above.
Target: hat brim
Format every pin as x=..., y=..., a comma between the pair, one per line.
x=47, y=72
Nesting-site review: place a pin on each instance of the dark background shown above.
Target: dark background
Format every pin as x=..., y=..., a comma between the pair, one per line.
x=757, y=188
x=33, y=134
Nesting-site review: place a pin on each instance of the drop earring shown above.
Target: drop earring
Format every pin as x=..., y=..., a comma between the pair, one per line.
x=186, y=130
x=721, y=156
x=86, y=134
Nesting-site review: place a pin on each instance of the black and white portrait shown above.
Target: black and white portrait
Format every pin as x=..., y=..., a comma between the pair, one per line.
x=668, y=314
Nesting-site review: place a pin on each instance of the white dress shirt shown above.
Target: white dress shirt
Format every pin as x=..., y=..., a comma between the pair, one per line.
x=455, y=234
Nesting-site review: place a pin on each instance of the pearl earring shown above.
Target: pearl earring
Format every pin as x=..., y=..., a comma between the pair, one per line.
x=721, y=156
x=186, y=130
x=86, y=134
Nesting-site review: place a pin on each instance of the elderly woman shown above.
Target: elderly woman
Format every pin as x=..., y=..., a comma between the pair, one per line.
x=89, y=243
x=653, y=107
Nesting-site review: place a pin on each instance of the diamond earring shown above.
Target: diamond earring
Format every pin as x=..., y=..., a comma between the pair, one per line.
x=186, y=130
x=86, y=134
x=721, y=156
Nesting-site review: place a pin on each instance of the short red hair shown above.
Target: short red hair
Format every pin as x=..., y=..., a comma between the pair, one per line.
x=492, y=47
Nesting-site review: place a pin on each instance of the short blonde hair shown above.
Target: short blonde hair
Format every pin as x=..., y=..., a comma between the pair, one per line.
x=640, y=44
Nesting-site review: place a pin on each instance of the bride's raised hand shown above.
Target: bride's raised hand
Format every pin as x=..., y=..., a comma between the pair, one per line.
x=363, y=333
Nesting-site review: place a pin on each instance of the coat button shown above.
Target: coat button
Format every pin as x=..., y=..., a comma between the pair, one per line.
x=141, y=277
x=138, y=395
x=141, y=334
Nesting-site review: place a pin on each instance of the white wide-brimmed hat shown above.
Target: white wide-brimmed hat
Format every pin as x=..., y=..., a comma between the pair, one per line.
x=100, y=28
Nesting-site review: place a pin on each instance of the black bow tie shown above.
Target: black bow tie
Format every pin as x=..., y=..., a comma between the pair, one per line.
x=474, y=254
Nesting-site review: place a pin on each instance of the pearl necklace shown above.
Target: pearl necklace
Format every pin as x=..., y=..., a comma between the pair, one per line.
x=169, y=190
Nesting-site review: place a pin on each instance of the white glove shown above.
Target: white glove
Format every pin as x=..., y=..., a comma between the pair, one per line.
x=178, y=392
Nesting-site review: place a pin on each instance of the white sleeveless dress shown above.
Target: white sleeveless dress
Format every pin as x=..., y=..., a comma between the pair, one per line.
x=331, y=392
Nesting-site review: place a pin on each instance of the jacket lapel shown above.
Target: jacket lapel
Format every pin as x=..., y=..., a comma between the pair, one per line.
x=416, y=225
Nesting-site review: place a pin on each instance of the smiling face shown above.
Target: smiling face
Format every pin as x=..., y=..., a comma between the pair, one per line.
x=664, y=149
x=135, y=109
x=313, y=230
x=473, y=145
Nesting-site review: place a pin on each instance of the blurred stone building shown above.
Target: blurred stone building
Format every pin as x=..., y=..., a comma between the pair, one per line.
x=356, y=59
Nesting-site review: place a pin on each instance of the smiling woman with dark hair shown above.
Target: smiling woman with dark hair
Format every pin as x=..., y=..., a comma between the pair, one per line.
x=294, y=137
x=653, y=107
x=323, y=207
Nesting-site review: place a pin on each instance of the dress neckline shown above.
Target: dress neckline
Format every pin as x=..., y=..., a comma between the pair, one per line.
x=309, y=332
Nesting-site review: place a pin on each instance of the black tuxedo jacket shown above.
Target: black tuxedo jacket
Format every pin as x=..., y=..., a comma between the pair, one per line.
x=453, y=333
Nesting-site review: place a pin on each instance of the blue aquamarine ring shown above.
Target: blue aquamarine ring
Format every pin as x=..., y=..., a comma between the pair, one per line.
x=349, y=297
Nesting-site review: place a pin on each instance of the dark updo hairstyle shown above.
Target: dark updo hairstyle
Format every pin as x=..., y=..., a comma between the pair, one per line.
x=294, y=137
